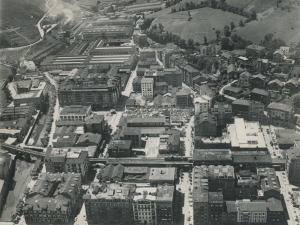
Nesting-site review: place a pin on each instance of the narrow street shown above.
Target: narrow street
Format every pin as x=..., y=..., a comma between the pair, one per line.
x=285, y=189
x=188, y=139
x=185, y=187
x=51, y=81
x=227, y=85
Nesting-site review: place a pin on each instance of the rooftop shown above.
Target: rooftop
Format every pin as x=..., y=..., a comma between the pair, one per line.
x=280, y=106
x=75, y=110
x=164, y=173
x=245, y=134
x=260, y=92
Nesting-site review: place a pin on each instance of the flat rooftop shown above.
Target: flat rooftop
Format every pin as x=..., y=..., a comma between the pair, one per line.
x=84, y=60
x=245, y=134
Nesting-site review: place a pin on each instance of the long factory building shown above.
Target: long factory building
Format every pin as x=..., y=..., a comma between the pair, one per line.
x=69, y=62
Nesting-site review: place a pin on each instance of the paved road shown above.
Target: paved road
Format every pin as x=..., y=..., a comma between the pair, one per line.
x=222, y=90
x=41, y=31
x=188, y=140
x=285, y=189
x=185, y=187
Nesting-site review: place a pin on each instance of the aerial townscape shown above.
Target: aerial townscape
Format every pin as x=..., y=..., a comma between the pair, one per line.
x=150, y=112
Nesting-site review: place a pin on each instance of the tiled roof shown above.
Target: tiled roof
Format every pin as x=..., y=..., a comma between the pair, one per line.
x=280, y=106
x=260, y=92
x=90, y=138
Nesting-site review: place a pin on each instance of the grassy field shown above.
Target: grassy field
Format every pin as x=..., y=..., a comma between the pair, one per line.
x=4, y=72
x=260, y=5
x=23, y=14
x=204, y=23
x=278, y=22
x=239, y=3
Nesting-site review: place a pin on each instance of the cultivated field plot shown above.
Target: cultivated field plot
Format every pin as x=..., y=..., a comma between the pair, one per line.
x=283, y=24
x=260, y=5
x=205, y=22
x=239, y=3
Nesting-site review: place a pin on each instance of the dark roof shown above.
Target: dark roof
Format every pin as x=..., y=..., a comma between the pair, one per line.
x=69, y=123
x=232, y=89
x=94, y=118
x=241, y=102
x=114, y=171
x=205, y=117
x=217, y=155
x=260, y=92
x=251, y=158
x=191, y=69
x=280, y=83
x=89, y=138
x=122, y=144
x=226, y=55
x=280, y=106
x=259, y=76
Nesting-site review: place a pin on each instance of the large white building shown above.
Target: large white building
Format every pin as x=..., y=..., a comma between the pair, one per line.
x=202, y=104
x=246, y=136
x=147, y=87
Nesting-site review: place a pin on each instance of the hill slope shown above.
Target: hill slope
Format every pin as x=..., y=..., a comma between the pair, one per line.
x=205, y=22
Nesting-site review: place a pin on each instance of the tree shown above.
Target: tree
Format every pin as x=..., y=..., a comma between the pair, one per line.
x=190, y=43
x=241, y=23
x=253, y=15
x=205, y=40
x=227, y=33
x=213, y=4
x=94, y=8
x=218, y=32
x=232, y=26
x=182, y=43
x=225, y=43
x=173, y=10
x=269, y=37
x=197, y=44
x=296, y=101
x=161, y=27
x=154, y=27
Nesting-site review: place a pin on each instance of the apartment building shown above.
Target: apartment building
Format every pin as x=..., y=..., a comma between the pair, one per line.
x=223, y=113
x=205, y=125
x=74, y=113
x=147, y=87
x=53, y=199
x=58, y=161
x=122, y=203
x=279, y=112
x=105, y=93
x=293, y=165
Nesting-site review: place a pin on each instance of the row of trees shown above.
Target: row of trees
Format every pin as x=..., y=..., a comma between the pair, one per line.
x=235, y=42
x=146, y=24
x=213, y=4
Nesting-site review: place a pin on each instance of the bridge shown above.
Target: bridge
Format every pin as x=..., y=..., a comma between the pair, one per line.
x=148, y=162
x=25, y=151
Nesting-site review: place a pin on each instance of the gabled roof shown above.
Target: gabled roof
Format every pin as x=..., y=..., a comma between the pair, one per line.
x=241, y=102
x=276, y=81
x=245, y=74
x=259, y=76
x=260, y=92
x=226, y=55
x=292, y=81
x=191, y=69
x=280, y=106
